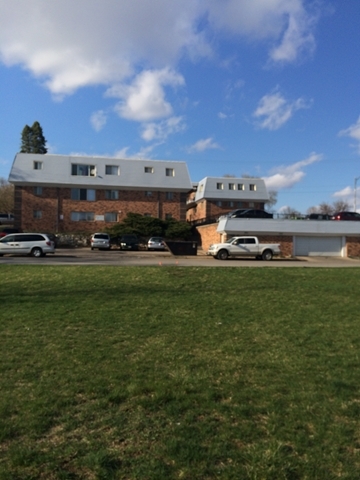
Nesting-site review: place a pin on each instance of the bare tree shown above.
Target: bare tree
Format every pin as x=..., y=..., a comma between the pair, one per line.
x=272, y=199
x=6, y=196
x=290, y=213
x=341, y=206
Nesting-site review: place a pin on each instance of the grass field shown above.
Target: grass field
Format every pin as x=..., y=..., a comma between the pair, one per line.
x=179, y=373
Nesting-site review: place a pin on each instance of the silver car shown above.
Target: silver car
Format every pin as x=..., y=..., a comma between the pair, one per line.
x=156, y=243
x=35, y=244
x=100, y=241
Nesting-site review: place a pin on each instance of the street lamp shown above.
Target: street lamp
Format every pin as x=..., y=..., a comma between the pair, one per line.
x=355, y=181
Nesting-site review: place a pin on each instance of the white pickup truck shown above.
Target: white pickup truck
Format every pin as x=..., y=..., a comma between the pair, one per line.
x=244, y=247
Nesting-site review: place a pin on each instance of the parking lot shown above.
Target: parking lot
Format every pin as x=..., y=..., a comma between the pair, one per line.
x=86, y=256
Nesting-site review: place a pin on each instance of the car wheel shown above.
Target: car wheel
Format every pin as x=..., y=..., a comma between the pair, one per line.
x=223, y=255
x=92, y=248
x=267, y=255
x=36, y=252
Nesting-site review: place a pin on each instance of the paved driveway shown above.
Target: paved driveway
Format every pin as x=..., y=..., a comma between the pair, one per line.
x=85, y=256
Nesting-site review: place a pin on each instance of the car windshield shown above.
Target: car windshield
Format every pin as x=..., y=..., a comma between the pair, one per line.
x=230, y=240
x=103, y=236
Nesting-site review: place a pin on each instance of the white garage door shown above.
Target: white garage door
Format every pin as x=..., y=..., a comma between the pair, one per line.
x=318, y=246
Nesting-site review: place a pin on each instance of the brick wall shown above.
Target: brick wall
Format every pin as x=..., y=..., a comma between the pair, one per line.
x=56, y=205
x=353, y=246
x=209, y=208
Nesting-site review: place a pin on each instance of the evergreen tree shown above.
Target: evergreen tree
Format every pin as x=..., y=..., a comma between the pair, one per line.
x=33, y=140
x=38, y=141
x=26, y=140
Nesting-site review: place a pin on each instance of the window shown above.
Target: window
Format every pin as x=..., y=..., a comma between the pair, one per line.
x=231, y=186
x=168, y=216
x=231, y=204
x=38, y=165
x=201, y=187
x=111, y=194
x=82, y=216
x=111, y=217
x=111, y=170
x=83, y=170
x=83, y=194
x=37, y=214
x=241, y=186
x=240, y=204
x=148, y=170
x=252, y=187
x=147, y=214
x=220, y=186
x=219, y=203
x=169, y=195
x=148, y=194
x=170, y=172
x=38, y=190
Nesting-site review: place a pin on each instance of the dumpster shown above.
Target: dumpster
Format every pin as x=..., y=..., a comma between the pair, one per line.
x=182, y=248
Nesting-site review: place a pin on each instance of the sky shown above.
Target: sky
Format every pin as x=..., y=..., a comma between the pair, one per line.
x=265, y=88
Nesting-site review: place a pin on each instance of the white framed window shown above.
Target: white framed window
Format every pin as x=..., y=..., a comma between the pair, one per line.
x=83, y=170
x=241, y=186
x=201, y=187
x=111, y=217
x=169, y=195
x=252, y=187
x=170, y=172
x=148, y=193
x=111, y=194
x=38, y=191
x=82, y=216
x=231, y=204
x=37, y=165
x=111, y=170
x=88, y=194
x=37, y=214
x=220, y=186
x=148, y=169
x=231, y=186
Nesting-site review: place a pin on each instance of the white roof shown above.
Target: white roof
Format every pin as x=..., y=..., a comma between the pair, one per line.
x=56, y=170
x=221, y=188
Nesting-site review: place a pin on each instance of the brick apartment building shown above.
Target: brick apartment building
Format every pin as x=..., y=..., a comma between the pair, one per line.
x=214, y=196
x=59, y=193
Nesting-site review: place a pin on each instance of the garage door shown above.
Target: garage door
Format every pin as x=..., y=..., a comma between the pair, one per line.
x=318, y=246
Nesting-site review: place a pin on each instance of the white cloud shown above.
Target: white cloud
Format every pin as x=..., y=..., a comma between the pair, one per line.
x=286, y=23
x=161, y=130
x=70, y=44
x=203, y=144
x=144, y=99
x=274, y=110
x=353, y=132
x=287, y=176
x=98, y=120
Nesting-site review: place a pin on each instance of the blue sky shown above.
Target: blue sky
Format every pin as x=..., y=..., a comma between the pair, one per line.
x=268, y=88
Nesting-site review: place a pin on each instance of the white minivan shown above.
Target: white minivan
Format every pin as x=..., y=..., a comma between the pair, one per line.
x=35, y=244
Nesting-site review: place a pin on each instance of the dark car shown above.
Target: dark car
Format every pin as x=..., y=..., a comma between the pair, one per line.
x=346, y=216
x=5, y=231
x=249, y=213
x=319, y=216
x=128, y=242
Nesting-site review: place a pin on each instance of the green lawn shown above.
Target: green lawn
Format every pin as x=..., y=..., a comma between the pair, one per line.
x=179, y=373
